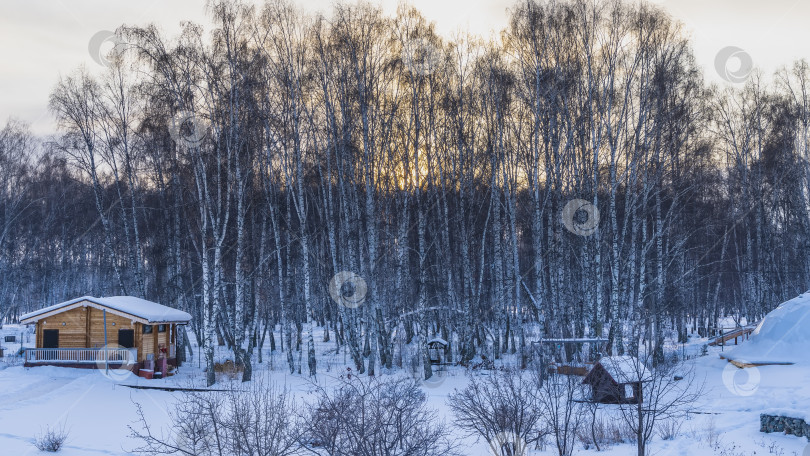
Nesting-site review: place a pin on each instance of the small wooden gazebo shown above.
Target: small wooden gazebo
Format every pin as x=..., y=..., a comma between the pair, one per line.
x=124, y=330
x=436, y=348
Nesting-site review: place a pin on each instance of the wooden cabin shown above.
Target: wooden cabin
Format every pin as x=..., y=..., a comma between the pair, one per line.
x=617, y=380
x=91, y=332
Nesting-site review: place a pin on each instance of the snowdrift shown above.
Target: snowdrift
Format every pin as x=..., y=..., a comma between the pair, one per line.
x=782, y=337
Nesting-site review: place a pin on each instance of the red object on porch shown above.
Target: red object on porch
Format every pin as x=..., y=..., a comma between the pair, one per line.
x=146, y=373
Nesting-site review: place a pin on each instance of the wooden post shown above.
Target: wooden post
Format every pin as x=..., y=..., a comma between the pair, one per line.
x=106, y=358
x=155, y=350
x=137, y=340
x=87, y=326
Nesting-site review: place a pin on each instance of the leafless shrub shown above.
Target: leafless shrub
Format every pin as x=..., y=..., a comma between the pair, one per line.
x=559, y=397
x=11, y=360
x=602, y=430
x=602, y=433
x=502, y=408
x=375, y=417
x=257, y=421
x=669, y=429
x=619, y=432
x=605, y=433
x=711, y=434
x=51, y=439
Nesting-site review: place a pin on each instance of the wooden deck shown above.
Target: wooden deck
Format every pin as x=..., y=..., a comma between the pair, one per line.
x=738, y=334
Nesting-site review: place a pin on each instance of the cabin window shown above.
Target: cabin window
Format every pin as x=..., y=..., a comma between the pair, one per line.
x=161, y=328
x=628, y=391
x=147, y=329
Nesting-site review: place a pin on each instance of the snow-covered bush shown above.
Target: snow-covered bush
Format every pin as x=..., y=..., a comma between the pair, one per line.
x=669, y=429
x=502, y=408
x=558, y=396
x=51, y=439
x=603, y=432
x=12, y=358
x=250, y=419
x=375, y=417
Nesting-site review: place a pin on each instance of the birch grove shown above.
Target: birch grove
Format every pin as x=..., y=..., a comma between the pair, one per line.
x=573, y=177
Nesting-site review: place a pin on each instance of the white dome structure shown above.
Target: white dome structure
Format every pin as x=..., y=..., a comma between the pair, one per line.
x=782, y=337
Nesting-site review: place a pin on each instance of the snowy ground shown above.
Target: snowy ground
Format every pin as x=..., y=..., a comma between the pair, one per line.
x=97, y=409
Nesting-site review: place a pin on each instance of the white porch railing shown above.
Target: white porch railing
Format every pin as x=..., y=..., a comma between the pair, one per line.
x=81, y=355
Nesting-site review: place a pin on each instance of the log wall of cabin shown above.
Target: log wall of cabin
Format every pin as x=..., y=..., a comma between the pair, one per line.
x=72, y=326
x=83, y=327
x=95, y=334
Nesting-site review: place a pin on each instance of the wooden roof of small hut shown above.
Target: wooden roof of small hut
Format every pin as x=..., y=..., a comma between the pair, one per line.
x=437, y=340
x=620, y=369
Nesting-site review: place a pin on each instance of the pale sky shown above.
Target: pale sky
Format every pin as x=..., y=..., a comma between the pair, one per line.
x=42, y=39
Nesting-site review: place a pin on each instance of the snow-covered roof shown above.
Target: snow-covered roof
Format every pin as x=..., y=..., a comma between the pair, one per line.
x=782, y=337
x=438, y=340
x=150, y=312
x=625, y=368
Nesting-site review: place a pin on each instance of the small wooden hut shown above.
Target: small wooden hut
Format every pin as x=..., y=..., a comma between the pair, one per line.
x=91, y=332
x=436, y=348
x=617, y=380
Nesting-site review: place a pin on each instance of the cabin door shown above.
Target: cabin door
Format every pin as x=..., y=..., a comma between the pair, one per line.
x=126, y=338
x=50, y=338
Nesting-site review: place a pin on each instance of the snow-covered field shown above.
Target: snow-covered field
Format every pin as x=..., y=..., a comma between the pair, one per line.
x=96, y=410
